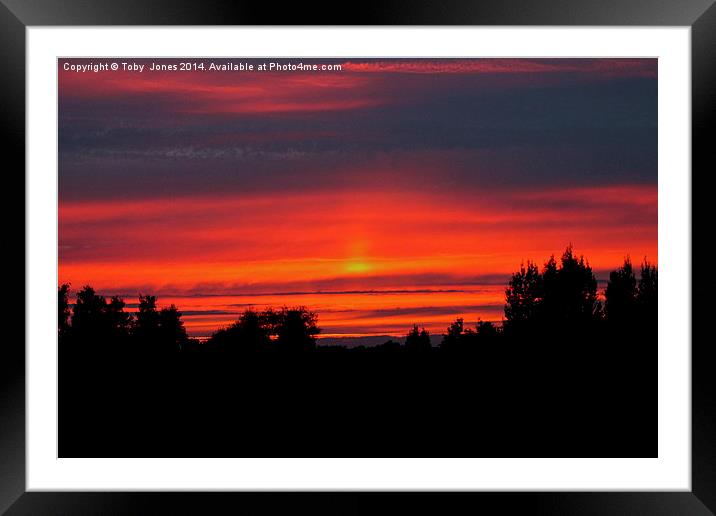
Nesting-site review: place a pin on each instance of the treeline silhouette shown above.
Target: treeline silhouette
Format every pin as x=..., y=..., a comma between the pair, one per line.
x=561, y=296
x=565, y=374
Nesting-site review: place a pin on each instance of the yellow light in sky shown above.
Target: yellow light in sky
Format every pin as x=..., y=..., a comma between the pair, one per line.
x=357, y=266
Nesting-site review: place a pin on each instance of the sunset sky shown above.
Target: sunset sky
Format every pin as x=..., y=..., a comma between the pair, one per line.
x=387, y=193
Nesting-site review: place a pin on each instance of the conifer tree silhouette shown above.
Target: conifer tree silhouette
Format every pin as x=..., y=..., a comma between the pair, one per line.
x=417, y=339
x=621, y=294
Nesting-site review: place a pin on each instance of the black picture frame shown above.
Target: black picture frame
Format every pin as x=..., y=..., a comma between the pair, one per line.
x=700, y=15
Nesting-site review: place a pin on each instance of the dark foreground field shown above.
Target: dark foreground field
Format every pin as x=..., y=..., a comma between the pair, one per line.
x=570, y=398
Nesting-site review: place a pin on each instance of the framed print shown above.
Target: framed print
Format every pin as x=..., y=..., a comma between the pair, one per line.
x=375, y=257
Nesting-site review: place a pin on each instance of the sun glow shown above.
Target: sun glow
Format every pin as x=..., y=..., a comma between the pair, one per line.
x=357, y=266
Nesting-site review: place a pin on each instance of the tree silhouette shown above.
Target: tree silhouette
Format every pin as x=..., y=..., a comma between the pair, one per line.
x=146, y=327
x=89, y=322
x=250, y=333
x=454, y=332
x=158, y=331
x=539, y=306
x=295, y=329
x=523, y=296
x=417, y=339
x=119, y=321
x=458, y=337
x=171, y=334
x=63, y=310
x=647, y=294
x=286, y=330
x=570, y=291
x=621, y=293
x=563, y=295
x=486, y=331
x=96, y=324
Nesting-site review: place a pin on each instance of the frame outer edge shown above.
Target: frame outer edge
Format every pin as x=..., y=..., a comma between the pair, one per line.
x=703, y=396
x=12, y=60
x=12, y=345
x=384, y=12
